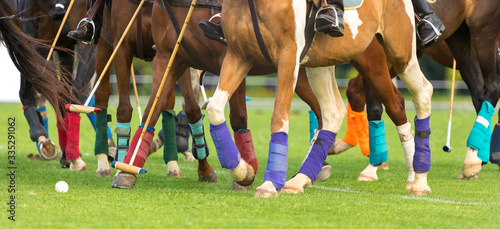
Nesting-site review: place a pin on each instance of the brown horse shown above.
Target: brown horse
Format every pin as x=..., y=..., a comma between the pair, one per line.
x=473, y=40
x=281, y=27
x=201, y=53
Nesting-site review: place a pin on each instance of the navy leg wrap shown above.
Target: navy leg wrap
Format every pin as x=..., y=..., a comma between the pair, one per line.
x=229, y=156
x=495, y=145
x=314, y=161
x=277, y=160
x=35, y=123
x=422, y=157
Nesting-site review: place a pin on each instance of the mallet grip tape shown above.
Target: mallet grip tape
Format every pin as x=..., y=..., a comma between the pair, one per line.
x=82, y=109
x=127, y=168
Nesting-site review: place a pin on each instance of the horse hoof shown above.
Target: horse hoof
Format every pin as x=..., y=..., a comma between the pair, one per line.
x=210, y=178
x=326, y=171
x=471, y=169
x=174, y=174
x=124, y=180
x=408, y=185
x=462, y=176
x=266, y=190
x=111, y=153
x=297, y=184
x=188, y=156
x=47, y=148
x=384, y=166
x=420, y=186
x=420, y=191
x=236, y=186
x=64, y=163
x=103, y=173
x=243, y=174
x=78, y=165
x=36, y=157
x=367, y=177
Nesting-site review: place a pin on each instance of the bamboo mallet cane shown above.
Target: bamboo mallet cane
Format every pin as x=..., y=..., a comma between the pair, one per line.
x=135, y=92
x=447, y=148
x=92, y=110
x=70, y=6
x=130, y=166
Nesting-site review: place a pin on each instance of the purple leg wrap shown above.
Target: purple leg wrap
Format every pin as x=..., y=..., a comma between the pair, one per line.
x=277, y=160
x=314, y=161
x=422, y=157
x=228, y=154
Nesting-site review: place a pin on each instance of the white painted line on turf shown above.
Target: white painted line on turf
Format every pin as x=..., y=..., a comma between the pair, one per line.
x=335, y=189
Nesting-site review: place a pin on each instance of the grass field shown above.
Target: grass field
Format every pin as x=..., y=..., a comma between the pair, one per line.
x=340, y=201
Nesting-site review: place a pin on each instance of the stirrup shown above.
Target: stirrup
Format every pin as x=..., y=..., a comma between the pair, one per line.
x=436, y=30
x=93, y=29
x=326, y=8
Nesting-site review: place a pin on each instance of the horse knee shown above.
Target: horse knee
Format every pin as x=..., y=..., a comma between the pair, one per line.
x=124, y=113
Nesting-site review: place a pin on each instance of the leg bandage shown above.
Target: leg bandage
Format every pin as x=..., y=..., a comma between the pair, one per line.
x=313, y=124
x=277, y=160
x=182, y=132
x=73, y=133
x=62, y=133
x=169, y=142
x=142, y=153
x=317, y=154
x=495, y=145
x=200, y=148
x=228, y=154
x=123, y=140
x=378, y=143
x=422, y=157
x=100, y=125
x=479, y=136
x=35, y=123
x=244, y=143
x=45, y=119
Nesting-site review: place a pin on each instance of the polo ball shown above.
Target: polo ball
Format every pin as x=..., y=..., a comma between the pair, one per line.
x=62, y=186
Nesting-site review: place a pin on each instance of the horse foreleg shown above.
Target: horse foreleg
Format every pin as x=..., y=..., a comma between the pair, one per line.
x=233, y=72
x=323, y=83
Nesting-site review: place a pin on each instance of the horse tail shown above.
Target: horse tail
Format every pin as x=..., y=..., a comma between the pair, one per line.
x=33, y=67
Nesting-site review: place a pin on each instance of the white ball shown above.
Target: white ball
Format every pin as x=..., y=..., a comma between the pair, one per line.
x=62, y=186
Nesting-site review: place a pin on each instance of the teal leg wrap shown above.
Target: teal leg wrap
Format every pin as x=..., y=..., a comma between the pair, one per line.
x=313, y=124
x=200, y=149
x=123, y=140
x=101, y=136
x=479, y=137
x=169, y=142
x=378, y=143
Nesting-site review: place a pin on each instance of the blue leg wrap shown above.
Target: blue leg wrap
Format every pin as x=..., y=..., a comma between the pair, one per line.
x=277, y=160
x=200, y=149
x=314, y=161
x=378, y=143
x=495, y=145
x=313, y=124
x=123, y=140
x=229, y=156
x=479, y=135
x=45, y=121
x=422, y=157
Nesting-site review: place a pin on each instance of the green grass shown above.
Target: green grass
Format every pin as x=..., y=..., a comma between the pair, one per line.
x=340, y=201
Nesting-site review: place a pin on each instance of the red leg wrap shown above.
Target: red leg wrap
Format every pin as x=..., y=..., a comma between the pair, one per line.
x=73, y=147
x=143, y=151
x=61, y=131
x=244, y=143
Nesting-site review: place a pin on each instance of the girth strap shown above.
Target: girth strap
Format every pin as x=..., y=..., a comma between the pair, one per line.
x=256, y=29
x=94, y=9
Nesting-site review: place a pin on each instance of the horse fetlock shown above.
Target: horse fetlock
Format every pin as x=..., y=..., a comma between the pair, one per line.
x=339, y=146
x=420, y=186
x=266, y=190
x=243, y=174
x=173, y=169
x=472, y=163
x=77, y=165
x=103, y=169
x=297, y=184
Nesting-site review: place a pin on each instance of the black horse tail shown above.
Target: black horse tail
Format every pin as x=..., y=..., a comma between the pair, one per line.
x=34, y=68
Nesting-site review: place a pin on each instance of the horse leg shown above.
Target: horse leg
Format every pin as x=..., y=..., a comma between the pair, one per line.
x=333, y=111
x=195, y=121
x=233, y=72
x=357, y=124
x=406, y=66
x=469, y=67
x=242, y=135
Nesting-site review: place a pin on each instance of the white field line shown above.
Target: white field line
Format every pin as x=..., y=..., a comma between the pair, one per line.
x=435, y=200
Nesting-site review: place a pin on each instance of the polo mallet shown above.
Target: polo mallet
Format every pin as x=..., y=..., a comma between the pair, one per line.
x=202, y=88
x=130, y=166
x=135, y=92
x=447, y=148
x=92, y=110
x=70, y=6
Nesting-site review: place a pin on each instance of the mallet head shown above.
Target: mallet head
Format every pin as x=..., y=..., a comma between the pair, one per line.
x=447, y=149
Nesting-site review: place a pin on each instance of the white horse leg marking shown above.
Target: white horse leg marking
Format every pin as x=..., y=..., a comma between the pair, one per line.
x=406, y=137
x=215, y=109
